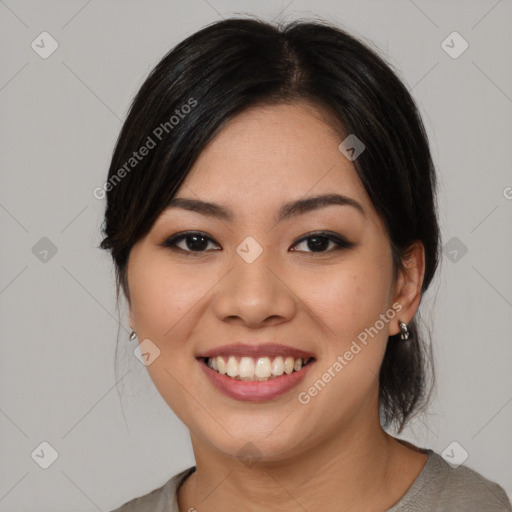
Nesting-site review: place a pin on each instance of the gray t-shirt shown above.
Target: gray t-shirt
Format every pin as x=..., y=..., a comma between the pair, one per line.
x=438, y=488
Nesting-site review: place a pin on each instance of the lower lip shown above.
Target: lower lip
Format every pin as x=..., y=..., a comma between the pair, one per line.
x=256, y=391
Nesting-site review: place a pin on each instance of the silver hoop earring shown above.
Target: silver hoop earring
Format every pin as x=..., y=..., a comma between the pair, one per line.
x=404, y=331
x=133, y=335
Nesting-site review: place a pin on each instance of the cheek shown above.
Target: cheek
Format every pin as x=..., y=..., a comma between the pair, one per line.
x=166, y=300
x=162, y=297
x=351, y=298
x=349, y=303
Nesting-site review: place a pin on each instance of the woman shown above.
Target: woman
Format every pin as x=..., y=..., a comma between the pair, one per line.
x=271, y=216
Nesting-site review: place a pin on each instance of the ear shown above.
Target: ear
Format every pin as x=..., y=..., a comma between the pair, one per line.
x=131, y=320
x=407, y=289
x=131, y=315
x=126, y=292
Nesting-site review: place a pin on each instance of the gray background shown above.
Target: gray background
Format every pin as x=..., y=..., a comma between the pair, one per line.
x=60, y=117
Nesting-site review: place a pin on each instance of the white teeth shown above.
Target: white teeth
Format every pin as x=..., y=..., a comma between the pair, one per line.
x=263, y=368
x=246, y=368
x=278, y=366
x=232, y=368
x=221, y=364
x=256, y=369
x=288, y=365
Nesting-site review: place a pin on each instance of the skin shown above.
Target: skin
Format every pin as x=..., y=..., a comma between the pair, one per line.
x=333, y=450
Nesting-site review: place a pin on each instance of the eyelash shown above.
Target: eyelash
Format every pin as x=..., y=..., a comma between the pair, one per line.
x=340, y=242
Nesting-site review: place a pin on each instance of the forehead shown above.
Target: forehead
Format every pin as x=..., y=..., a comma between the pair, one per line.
x=269, y=154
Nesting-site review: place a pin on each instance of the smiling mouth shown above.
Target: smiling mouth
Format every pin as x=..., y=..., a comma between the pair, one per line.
x=256, y=369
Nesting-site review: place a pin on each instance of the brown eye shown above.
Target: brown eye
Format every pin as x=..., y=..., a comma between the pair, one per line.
x=319, y=242
x=190, y=242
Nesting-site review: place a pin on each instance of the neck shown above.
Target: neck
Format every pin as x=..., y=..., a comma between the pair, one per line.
x=356, y=468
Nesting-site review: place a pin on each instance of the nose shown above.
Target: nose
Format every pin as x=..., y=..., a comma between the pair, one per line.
x=254, y=295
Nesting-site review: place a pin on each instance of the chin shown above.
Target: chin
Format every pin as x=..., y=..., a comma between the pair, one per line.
x=251, y=445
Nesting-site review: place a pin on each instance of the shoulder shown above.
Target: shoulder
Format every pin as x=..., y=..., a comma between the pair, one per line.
x=443, y=488
x=162, y=499
x=473, y=492
x=468, y=489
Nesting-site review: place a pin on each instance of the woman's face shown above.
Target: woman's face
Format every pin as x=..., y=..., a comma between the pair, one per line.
x=256, y=278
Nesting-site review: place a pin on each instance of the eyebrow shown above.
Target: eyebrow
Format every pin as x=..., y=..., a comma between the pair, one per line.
x=288, y=210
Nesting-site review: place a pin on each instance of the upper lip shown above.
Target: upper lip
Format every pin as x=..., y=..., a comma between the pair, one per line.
x=252, y=350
